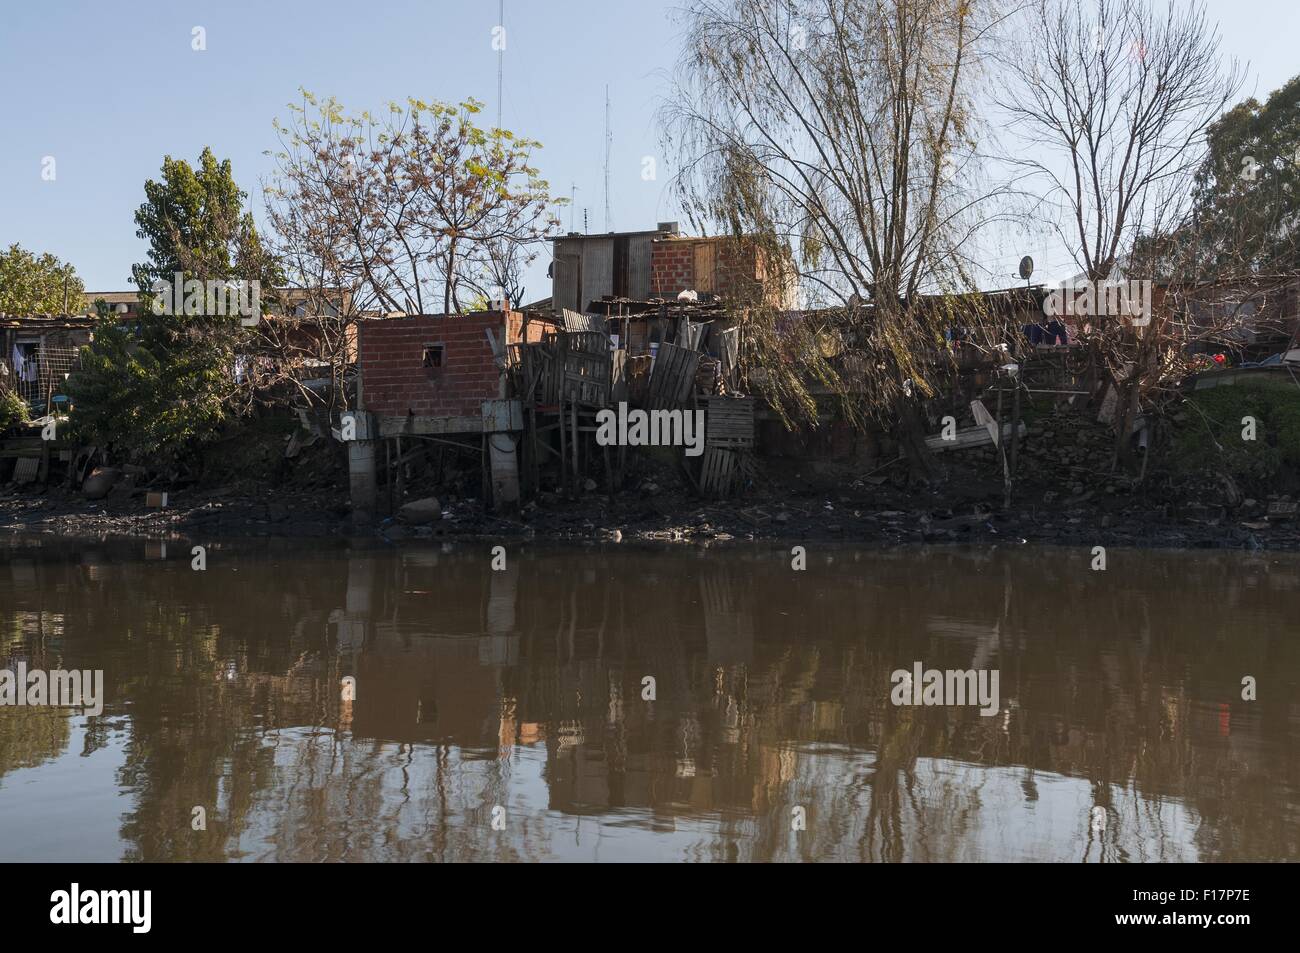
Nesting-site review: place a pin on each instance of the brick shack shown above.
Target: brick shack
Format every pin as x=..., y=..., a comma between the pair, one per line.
x=437, y=377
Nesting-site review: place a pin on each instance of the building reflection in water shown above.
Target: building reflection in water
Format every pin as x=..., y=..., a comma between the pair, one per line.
x=523, y=689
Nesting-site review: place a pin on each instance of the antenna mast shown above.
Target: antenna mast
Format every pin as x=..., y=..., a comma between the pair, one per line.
x=501, y=57
x=609, y=139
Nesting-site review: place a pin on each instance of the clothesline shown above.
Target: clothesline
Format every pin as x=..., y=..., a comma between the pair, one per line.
x=25, y=369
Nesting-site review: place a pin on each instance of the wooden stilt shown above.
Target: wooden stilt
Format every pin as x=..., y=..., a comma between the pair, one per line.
x=401, y=473
x=564, y=457
x=1015, y=428
x=535, y=463
x=1002, y=453
x=573, y=420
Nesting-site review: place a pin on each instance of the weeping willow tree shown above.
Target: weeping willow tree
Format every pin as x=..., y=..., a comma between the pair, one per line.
x=839, y=136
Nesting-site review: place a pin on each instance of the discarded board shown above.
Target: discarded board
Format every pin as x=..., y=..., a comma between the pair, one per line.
x=719, y=473
x=986, y=420
x=729, y=354
x=692, y=333
x=673, y=377
x=970, y=437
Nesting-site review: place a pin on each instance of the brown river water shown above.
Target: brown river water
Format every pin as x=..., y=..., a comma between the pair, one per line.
x=615, y=703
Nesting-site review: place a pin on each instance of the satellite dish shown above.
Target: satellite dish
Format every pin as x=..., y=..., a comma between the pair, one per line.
x=1026, y=267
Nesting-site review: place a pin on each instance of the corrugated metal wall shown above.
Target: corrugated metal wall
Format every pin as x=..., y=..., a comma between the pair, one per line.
x=597, y=270
x=566, y=275
x=584, y=269
x=638, y=266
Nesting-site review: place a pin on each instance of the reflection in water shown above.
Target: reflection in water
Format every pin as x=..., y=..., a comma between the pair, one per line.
x=523, y=690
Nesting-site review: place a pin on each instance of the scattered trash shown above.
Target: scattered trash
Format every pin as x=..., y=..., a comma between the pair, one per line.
x=421, y=512
x=100, y=482
x=1282, y=510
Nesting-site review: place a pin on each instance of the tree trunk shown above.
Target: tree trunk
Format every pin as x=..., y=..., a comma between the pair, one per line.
x=909, y=431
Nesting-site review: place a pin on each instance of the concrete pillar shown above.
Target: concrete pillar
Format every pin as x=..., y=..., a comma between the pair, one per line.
x=503, y=459
x=358, y=432
x=362, y=482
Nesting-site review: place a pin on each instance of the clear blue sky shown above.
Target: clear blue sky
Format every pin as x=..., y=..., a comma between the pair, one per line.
x=108, y=89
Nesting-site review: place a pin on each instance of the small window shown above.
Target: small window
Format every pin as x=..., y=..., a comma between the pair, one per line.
x=433, y=354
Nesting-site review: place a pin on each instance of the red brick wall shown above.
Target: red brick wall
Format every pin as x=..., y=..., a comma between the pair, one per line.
x=394, y=382
x=738, y=271
x=516, y=330
x=672, y=268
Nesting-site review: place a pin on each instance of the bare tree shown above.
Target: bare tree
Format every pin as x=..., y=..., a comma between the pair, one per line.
x=1111, y=100
x=837, y=134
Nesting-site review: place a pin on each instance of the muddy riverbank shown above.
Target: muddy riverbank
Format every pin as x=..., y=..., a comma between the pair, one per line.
x=1068, y=491
x=865, y=514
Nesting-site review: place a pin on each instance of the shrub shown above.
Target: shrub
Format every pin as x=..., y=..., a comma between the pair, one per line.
x=1209, y=435
x=155, y=397
x=12, y=409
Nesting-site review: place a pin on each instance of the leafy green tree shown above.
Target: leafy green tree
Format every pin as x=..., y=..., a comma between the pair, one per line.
x=163, y=387
x=195, y=224
x=37, y=285
x=1246, y=212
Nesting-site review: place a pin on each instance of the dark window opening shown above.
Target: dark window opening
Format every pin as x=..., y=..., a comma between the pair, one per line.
x=433, y=354
x=620, y=284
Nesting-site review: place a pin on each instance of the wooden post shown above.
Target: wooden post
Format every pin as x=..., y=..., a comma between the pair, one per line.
x=388, y=472
x=564, y=454
x=1002, y=447
x=997, y=378
x=401, y=475
x=573, y=419
x=535, y=463
x=1015, y=427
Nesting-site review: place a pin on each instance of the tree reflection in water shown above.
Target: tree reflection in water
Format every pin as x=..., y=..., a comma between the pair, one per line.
x=522, y=689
